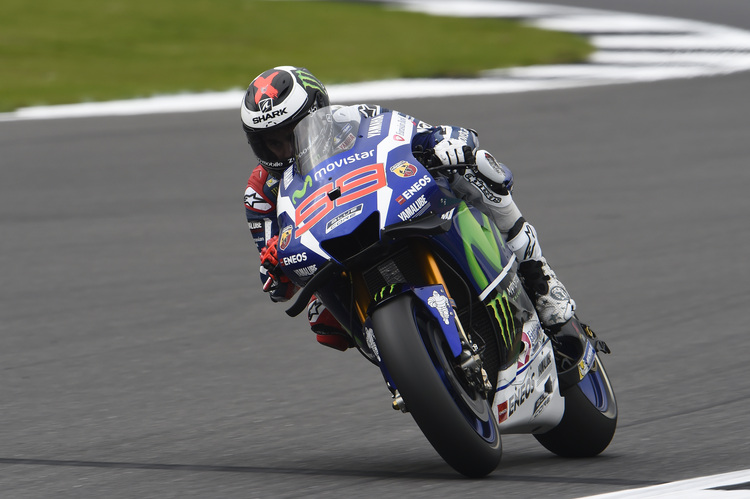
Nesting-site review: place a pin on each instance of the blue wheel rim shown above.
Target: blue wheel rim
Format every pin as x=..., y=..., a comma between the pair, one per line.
x=594, y=387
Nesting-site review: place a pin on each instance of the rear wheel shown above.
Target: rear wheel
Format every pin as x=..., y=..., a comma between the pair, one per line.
x=590, y=418
x=454, y=417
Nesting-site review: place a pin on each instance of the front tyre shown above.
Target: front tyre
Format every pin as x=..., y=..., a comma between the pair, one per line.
x=590, y=418
x=456, y=420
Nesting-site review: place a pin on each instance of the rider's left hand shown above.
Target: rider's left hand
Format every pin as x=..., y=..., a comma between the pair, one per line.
x=453, y=152
x=270, y=261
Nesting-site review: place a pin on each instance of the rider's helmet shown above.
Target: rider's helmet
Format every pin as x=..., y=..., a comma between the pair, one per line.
x=278, y=99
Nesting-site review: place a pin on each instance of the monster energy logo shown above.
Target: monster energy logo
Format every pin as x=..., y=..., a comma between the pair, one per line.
x=385, y=291
x=500, y=306
x=301, y=192
x=309, y=81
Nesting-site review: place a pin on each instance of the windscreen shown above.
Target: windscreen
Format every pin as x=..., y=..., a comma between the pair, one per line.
x=325, y=133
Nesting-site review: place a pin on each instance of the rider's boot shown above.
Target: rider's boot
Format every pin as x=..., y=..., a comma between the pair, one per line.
x=327, y=329
x=489, y=188
x=551, y=300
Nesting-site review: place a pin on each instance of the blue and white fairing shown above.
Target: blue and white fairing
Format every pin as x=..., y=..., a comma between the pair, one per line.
x=354, y=172
x=349, y=168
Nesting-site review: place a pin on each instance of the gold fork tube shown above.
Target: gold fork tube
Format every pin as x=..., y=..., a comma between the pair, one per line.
x=361, y=297
x=428, y=265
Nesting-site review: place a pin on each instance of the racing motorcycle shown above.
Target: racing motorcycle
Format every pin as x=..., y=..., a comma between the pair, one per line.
x=429, y=292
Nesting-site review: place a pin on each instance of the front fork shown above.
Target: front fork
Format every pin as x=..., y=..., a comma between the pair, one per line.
x=468, y=362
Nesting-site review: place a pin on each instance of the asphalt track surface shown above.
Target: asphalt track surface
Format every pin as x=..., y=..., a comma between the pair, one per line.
x=141, y=359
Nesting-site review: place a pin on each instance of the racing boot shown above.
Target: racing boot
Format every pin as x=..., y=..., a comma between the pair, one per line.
x=552, y=302
x=327, y=329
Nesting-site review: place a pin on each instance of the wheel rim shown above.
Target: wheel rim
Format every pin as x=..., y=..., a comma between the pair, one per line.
x=474, y=408
x=596, y=387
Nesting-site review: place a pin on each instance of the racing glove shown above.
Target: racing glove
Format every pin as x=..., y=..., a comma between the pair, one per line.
x=452, y=152
x=269, y=260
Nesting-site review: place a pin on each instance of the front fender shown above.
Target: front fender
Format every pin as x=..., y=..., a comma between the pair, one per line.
x=434, y=299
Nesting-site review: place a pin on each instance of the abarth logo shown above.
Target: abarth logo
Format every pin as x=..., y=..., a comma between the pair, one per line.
x=404, y=169
x=286, y=236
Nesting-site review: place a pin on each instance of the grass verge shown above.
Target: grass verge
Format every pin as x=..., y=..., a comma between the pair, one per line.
x=55, y=52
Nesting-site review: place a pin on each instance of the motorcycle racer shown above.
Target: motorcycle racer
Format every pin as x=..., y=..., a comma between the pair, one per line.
x=279, y=98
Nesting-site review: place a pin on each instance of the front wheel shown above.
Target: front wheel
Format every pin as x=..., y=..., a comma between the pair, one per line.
x=590, y=417
x=453, y=416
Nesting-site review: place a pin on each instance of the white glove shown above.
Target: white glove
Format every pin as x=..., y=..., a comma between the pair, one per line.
x=453, y=152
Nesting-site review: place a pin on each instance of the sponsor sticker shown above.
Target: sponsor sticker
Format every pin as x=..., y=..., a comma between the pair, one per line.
x=442, y=304
x=448, y=215
x=404, y=169
x=321, y=172
x=544, y=364
x=306, y=271
x=521, y=395
x=588, y=359
x=376, y=124
x=370, y=340
x=343, y=217
x=414, y=209
x=502, y=412
x=541, y=403
x=417, y=186
x=291, y=260
x=285, y=237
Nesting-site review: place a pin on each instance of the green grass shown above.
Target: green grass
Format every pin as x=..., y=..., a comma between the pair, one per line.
x=65, y=51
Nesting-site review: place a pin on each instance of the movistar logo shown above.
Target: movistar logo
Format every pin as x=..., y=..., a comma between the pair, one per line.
x=309, y=81
x=299, y=194
x=500, y=306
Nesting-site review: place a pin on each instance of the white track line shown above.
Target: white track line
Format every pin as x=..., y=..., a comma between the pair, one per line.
x=630, y=48
x=713, y=487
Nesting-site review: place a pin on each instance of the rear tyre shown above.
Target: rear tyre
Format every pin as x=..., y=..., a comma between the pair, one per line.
x=456, y=420
x=590, y=418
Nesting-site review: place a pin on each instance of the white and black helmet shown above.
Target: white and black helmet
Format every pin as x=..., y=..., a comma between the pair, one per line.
x=278, y=98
